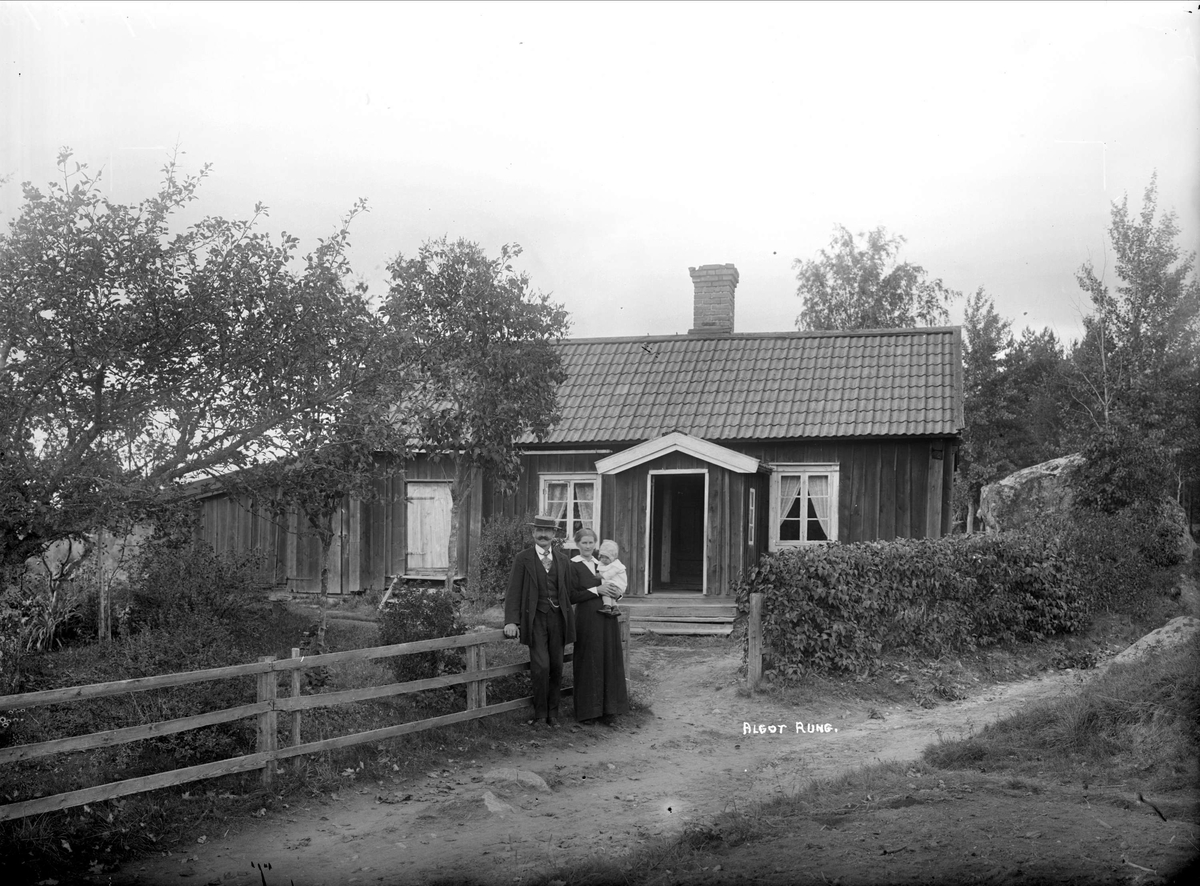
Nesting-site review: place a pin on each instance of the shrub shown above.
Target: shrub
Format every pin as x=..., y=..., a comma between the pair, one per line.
x=1117, y=558
x=836, y=607
x=422, y=613
x=501, y=540
x=177, y=582
x=1123, y=467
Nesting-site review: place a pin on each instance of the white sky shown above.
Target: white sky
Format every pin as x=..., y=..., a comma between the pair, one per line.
x=621, y=143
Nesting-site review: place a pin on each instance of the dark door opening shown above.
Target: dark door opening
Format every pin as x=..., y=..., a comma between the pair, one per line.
x=677, y=532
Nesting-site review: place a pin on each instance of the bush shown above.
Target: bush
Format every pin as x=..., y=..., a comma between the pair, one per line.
x=178, y=582
x=834, y=608
x=1118, y=558
x=1123, y=468
x=422, y=613
x=501, y=540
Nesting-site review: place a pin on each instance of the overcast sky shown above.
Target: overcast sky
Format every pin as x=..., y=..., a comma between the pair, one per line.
x=620, y=144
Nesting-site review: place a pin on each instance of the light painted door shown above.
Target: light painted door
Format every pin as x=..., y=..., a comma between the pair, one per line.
x=428, y=527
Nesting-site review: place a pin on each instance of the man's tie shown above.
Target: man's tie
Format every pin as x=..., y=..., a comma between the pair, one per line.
x=547, y=560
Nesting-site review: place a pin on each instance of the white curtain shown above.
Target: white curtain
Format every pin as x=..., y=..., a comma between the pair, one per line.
x=556, y=500
x=585, y=504
x=789, y=491
x=818, y=494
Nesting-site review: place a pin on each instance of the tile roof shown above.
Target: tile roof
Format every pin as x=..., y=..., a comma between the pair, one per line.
x=771, y=386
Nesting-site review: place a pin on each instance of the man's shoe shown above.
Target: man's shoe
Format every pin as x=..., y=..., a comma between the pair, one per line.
x=552, y=722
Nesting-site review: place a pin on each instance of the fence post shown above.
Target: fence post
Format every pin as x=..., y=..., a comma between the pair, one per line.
x=623, y=623
x=481, y=686
x=268, y=740
x=472, y=667
x=754, y=639
x=295, y=731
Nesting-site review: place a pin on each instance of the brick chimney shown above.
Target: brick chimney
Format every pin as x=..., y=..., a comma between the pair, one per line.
x=713, y=306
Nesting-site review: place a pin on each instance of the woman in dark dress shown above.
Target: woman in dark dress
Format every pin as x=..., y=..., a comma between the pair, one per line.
x=598, y=663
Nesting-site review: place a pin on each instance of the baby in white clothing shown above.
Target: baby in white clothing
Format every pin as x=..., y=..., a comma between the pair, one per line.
x=612, y=572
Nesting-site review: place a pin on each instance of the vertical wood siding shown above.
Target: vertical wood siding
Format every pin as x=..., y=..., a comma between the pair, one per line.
x=887, y=489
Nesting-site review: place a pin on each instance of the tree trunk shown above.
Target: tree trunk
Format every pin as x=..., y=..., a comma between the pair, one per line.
x=325, y=533
x=970, y=513
x=460, y=491
x=104, y=625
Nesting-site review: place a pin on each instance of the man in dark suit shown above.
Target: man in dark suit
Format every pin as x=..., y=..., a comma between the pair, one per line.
x=537, y=610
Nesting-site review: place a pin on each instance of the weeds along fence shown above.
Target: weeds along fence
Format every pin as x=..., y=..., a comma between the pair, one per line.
x=267, y=708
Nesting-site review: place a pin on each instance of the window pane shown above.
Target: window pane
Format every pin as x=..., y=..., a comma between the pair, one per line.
x=820, y=504
x=815, y=531
x=585, y=510
x=789, y=507
x=557, y=498
x=790, y=525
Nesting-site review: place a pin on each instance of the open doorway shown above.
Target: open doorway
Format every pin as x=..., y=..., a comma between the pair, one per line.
x=677, y=532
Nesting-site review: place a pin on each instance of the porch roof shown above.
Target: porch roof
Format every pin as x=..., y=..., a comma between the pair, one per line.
x=769, y=386
x=677, y=442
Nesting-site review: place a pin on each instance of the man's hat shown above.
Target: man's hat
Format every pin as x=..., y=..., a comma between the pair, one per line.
x=543, y=523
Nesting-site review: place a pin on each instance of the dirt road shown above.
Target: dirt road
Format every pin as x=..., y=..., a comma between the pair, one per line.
x=581, y=792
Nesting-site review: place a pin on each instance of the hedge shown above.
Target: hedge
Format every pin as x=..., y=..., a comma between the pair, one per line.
x=839, y=608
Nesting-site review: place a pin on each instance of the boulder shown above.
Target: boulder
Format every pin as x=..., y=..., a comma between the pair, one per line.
x=517, y=776
x=1029, y=495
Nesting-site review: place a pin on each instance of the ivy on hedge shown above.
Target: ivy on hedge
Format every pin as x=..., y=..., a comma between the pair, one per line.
x=838, y=608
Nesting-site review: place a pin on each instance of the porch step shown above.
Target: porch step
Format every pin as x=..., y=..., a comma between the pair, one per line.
x=659, y=611
x=673, y=628
x=685, y=614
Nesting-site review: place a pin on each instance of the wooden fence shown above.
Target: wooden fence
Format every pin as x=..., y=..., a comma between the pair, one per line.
x=266, y=709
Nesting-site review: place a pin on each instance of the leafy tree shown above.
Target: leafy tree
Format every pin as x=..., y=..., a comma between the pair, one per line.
x=861, y=285
x=483, y=367
x=1037, y=368
x=338, y=450
x=987, y=401
x=1138, y=360
x=132, y=357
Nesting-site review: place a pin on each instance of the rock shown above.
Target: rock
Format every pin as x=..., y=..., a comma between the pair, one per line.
x=495, y=805
x=1029, y=495
x=520, y=776
x=1176, y=631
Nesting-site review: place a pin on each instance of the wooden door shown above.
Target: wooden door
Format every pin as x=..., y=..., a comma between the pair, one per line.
x=428, y=528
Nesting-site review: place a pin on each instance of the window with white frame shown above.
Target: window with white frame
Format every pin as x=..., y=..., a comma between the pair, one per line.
x=804, y=504
x=573, y=500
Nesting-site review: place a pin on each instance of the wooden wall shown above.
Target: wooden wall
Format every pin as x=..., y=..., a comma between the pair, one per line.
x=887, y=489
x=369, y=542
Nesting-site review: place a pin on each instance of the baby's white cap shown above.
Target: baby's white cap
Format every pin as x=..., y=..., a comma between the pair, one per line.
x=609, y=548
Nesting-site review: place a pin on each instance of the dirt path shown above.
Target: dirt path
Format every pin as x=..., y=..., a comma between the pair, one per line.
x=604, y=792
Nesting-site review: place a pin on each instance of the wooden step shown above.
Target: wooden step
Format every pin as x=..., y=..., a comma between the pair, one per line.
x=668, y=612
x=675, y=628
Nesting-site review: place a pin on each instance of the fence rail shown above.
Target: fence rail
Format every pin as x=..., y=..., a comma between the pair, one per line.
x=266, y=709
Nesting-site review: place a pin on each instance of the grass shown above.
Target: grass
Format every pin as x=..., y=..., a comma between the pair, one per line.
x=1138, y=721
x=96, y=838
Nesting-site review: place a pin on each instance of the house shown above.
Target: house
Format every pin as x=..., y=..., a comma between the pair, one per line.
x=697, y=453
